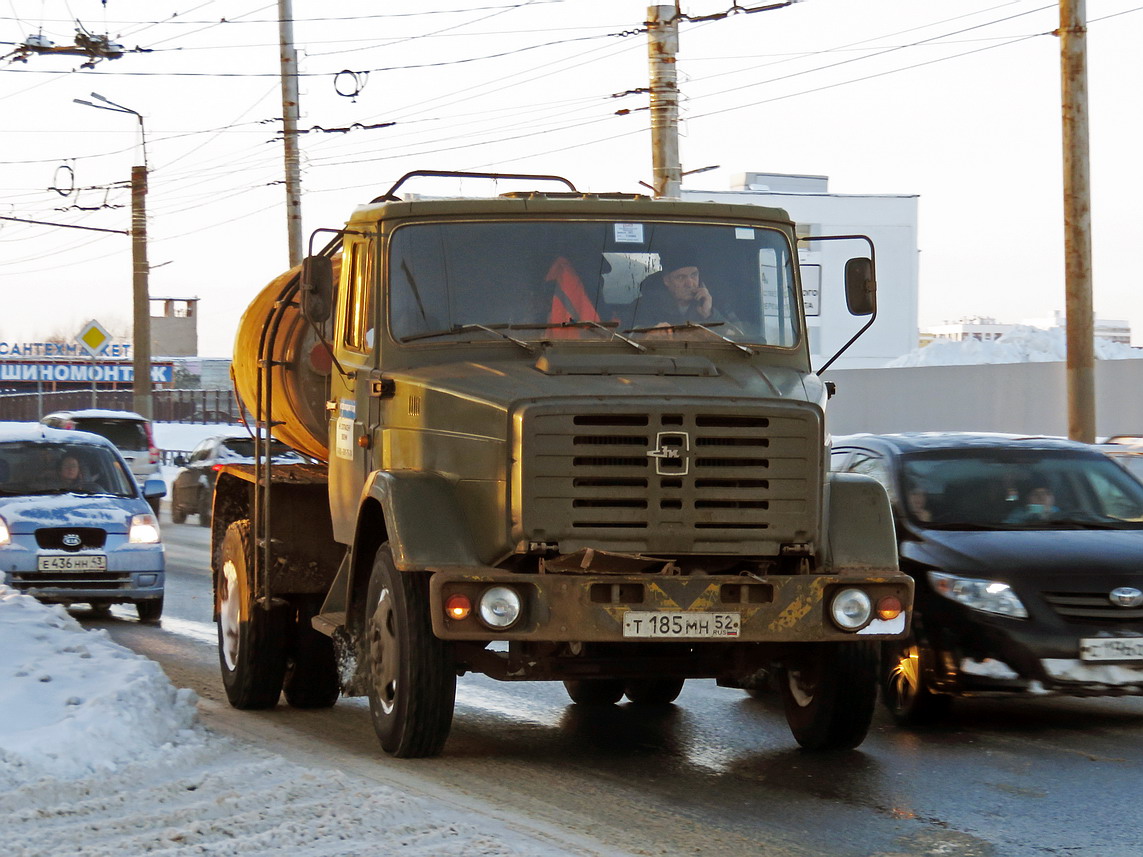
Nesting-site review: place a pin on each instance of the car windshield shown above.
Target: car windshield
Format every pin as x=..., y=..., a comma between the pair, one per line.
x=62, y=468
x=243, y=447
x=592, y=281
x=1019, y=489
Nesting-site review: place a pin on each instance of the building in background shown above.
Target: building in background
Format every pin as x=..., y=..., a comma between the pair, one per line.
x=890, y=220
x=174, y=332
x=984, y=329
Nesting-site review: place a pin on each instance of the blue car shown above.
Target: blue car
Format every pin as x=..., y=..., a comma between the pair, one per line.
x=75, y=527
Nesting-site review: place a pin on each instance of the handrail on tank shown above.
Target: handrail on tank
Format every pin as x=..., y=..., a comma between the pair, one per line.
x=263, y=424
x=390, y=195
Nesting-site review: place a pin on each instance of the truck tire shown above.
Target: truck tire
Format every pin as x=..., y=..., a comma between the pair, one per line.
x=594, y=691
x=311, y=670
x=829, y=694
x=653, y=691
x=251, y=639
x=412, y=687
x=904, y=690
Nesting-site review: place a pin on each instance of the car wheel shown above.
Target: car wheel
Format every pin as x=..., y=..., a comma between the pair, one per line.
x=100, y=608
x=904, y=688
x=412, y=687
x=829, y=694
x=178, y=513
x=653, y=691
x=251, y=639
x=311, y=679
x=595, y=691
x=205, y=497
x=150, y=610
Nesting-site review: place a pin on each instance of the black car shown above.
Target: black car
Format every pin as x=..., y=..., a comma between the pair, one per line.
x=1027, y=553
x=192, y=491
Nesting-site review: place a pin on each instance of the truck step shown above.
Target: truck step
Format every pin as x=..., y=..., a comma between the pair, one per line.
x=328, y=623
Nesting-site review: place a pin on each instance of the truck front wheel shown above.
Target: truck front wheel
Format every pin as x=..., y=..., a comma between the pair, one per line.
x=251, y=639
x=829, y=693
x=412, y=687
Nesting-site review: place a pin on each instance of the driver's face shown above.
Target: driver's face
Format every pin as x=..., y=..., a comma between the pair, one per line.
x=683, y=283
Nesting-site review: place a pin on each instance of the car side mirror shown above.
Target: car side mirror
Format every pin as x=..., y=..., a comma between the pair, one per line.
x=317, y=288
x=154, y=488
x=860, y=286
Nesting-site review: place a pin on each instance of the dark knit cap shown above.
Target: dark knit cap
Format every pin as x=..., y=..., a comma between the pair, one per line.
x=678, y=257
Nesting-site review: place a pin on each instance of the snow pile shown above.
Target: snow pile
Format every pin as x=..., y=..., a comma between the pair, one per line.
x=74, y=703
x=1023, y=344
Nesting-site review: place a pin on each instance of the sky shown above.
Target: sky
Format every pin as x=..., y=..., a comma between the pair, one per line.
x=100, y=755
x=956, y=103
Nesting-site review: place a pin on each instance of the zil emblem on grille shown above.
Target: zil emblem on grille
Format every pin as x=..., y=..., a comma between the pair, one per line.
x=1126, y=596
x=671, y=453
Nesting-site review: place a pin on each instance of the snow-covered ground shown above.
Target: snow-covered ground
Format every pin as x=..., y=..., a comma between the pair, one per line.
x=101, y=756
x=1021, y=345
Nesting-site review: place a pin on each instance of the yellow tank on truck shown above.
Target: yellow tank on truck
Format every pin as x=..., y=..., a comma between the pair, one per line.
x=301, y=367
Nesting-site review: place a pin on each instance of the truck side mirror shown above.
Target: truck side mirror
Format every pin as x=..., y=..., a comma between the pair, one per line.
x=860, y=286
x=317, y=288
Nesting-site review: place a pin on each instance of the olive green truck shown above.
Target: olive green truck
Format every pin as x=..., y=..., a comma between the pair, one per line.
x=553, y=436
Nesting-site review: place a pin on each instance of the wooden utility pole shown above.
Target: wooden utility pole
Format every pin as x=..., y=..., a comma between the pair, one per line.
x=289, y=72
x=1077, y=223
x=662, y=49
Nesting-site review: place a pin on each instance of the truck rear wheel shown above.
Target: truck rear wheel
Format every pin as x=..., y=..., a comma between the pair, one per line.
x=311, y=669
x=653, y=691
x=412, y=688
x=594, y=691
x=251, y=639
x=829, y=694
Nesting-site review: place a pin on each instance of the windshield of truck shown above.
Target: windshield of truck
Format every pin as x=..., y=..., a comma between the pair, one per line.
x=644, y=280
x=1019, y=489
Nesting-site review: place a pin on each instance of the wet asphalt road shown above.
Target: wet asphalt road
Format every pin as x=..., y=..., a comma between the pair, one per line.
x=717, y=773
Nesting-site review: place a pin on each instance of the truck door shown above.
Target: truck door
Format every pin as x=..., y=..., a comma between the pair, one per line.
x=351, y=430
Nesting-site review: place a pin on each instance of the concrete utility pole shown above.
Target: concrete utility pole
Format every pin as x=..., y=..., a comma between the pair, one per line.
x=1077, y=222
x=140, y=292
x=140, y=268
x=662, y=48
x=289, y=58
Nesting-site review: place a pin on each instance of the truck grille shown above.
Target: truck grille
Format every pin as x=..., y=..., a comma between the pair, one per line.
x=678, y=480
x=1092, y=608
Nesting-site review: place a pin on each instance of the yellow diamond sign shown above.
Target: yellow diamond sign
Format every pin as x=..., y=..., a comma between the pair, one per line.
x=93, y=338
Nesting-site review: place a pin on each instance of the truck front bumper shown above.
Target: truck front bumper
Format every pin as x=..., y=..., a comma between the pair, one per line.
x=646, y=608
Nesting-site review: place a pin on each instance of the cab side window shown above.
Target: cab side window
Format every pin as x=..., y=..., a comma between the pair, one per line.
x=357, y=312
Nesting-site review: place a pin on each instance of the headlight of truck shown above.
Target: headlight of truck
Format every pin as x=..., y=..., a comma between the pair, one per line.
x=988, y=596
x=144, y=530
x=5, y=534
x=499, y=607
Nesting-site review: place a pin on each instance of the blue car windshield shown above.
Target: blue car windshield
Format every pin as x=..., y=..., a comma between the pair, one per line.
x=1019, y=489
x=62, y=468
x=590, y=280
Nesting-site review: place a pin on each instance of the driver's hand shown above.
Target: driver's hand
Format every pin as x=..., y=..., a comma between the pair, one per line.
x=704, y=303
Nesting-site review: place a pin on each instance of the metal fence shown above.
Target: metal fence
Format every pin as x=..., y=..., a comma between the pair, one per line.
x=170, y=406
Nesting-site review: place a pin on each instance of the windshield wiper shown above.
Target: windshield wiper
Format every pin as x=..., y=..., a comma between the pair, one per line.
x=495, y=329
x=606, y=328
x=694, y=325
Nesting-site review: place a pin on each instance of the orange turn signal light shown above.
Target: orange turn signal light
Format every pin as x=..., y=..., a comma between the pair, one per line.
x=457, y=607
x=889, y=607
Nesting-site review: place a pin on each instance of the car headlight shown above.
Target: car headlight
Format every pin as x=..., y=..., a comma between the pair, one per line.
x=144, y=530
x=989, y=596
x=5, y=533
